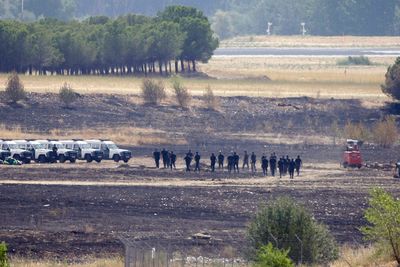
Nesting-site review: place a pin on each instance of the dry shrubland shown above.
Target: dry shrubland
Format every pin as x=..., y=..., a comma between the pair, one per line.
x=385, y=132
x=182, y=94
x=130, y=136
x=67, y=95
x=211, y=100
x=153, y=92
x=14, y=88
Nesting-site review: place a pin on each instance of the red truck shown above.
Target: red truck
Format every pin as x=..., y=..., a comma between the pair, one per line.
x=352, y=156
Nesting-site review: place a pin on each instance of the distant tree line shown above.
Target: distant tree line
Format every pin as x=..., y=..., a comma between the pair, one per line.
x=170, y=42
x=234, y=17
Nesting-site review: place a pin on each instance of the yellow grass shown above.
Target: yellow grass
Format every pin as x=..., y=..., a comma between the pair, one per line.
x=349, y=256
x=362, y=256
x=289, y=77
x=111, y=262
x=131, y=136
x=312, y=41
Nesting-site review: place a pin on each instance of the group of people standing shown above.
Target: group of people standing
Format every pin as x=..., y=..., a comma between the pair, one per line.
x=284, y=165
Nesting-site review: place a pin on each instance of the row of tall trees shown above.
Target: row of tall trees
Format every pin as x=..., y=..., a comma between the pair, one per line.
x=170, y=42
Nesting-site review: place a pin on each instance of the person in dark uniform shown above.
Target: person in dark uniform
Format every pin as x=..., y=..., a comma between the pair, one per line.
x=280, y=167
x=190, y=154
x=264, y=164
x=165, y=157
x=398, y=168
x=197, y=161
x=221, y=158
x=188, y=160
x=291, y=168
x=287, y=161
x=213, y=160
x=272, y=164
x=157, y=156
x=235, y=162
x=230, y=160
x=245, y=160
x=298, y=163
x=253, y=160
x=172, y=160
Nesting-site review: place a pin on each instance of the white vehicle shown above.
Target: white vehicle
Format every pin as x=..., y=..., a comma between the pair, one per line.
x=4, y=153
x=61, y=152
x=17, y=153
x=84, y=150
x=110, y=150
x=39, y=151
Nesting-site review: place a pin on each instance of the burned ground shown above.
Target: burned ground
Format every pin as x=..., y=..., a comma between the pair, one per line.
x=71, y=210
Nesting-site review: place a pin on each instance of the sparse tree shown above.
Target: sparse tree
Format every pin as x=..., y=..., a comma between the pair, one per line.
x=182, y=94
x=383, y=216
x=211, y=100
x=67, y=95
x=153, y=92
x=392, y=81
x=14, y=88
x=385, y=132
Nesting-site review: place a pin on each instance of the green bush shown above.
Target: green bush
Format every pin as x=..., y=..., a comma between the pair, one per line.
x=361, y=60
x=14, y=88
x=181, y=93
x=392, y=81
x=268, y=256
x=290, y=227
x=153, y=92
x=3, y=255
x=67, y=95
x=383, y=215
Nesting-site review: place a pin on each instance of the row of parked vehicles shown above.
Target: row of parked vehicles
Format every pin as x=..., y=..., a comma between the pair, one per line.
x=51, y=151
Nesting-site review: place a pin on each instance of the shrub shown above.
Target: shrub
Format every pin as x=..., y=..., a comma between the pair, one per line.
x=14, y=88
x=383, y=216
x=290, y=227
x=153, y=92
x=385, y=132
x=67, y=95
x=3, y=255
x=356, y=131
x=392, y=81
x=361, y=60
x=212, y=101
x=182, y=94
x=268, y=256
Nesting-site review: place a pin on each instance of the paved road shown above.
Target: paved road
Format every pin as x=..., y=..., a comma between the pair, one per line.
x=307, y=52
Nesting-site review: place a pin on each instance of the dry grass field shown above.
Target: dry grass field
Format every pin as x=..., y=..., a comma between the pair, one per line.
x=264, y=77
x=312, y=41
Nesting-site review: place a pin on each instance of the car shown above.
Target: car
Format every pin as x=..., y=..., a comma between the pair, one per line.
x=39, y=151
x=17, y=152
x=111, y=151
x=84, y=150
x=4, y=152
x=62, y=153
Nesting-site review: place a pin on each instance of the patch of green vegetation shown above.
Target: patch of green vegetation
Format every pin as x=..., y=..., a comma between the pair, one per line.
x=361, y=60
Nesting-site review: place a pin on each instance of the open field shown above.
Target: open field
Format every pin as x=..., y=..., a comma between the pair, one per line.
x=265, y=77
x=76, y=213
x=312, y=41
